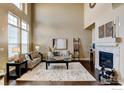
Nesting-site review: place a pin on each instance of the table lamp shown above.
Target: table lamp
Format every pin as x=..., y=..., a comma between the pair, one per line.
x=37, y=47
x=16, y=50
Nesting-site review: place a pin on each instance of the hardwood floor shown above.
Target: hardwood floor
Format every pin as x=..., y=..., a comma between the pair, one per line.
x=90, y=69
x=86, y=64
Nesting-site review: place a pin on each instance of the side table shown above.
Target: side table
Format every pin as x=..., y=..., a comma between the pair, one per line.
x=18, y=69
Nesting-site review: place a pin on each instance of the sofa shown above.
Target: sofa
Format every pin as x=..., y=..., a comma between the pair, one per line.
x=59, y=55
x=34, y=58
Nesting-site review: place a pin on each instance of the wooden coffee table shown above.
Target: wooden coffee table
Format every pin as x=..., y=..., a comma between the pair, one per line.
x=48, y=62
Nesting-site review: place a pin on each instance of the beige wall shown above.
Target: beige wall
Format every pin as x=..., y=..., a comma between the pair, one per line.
x=101, y=14
x=3, y=38
x=4, y=9
x=60, y=21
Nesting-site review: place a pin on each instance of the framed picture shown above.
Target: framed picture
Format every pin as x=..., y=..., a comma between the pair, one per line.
x=109, y=29
x=60, y=43
x=101, y=31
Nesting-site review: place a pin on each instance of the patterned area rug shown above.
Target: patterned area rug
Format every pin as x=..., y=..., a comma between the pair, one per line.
x=58, y=72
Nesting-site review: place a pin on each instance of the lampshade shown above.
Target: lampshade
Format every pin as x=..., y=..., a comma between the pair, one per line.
x=37, y=47
x=16, y=49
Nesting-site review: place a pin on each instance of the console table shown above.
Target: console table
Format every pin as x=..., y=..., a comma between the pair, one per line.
x=20, y=68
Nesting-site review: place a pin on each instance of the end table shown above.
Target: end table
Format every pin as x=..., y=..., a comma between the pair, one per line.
x=18, y=69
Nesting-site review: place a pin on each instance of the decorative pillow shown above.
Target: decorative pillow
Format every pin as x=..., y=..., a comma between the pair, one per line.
x=27, y=57
x=34, y=54
x=30, y=57
x=56, y=53
x=65, y=52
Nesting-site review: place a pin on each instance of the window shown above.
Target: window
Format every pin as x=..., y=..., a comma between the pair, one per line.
x=26, y=8
x=13, y=33
x=19, y=5
x=24, y=37
x=12, y=20
x=22, y=6
x=18, y=35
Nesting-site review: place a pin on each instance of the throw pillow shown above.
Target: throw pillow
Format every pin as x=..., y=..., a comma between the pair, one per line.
x=30, y=57
x=56, y=53
x=27, y=57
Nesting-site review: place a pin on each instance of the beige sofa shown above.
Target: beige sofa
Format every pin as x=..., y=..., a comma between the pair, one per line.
x=34, y=58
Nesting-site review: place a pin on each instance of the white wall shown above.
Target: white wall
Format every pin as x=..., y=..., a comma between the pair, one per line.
x=101, y=14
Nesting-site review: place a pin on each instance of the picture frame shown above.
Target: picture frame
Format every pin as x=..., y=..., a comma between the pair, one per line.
x=60, y=43
x=101, y=31
x=109, y=29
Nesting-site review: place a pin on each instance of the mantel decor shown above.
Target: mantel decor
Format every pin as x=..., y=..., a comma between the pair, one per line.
x=92, y=5
x=101, y=31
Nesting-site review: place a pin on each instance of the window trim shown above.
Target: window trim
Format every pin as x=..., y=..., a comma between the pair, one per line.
x=26, y=30
x=18, y=21
x=24, y=7
x=20, y=5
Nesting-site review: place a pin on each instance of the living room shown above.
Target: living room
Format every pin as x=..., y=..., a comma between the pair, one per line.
x=26, y=27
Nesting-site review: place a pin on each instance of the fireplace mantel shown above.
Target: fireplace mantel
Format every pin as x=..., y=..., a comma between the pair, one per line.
x=107, y=44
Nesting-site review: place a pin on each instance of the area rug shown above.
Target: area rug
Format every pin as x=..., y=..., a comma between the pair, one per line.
x=58, y=72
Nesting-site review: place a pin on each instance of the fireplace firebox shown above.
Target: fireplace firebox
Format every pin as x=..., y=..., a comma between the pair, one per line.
x=106, y=59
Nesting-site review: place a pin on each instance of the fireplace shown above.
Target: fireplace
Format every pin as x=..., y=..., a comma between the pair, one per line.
x=104, y=52
x=106, y=59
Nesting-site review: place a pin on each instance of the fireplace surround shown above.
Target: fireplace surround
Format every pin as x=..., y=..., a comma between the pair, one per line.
x=111, y=50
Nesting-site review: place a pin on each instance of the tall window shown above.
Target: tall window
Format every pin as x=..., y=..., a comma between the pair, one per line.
x=18, y=34
x=13, y=33
x=22, y=6
x=24, y=36
x=19, y=5
x=26, y=8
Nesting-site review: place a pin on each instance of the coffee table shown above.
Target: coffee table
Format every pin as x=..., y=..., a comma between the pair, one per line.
x=48, y=62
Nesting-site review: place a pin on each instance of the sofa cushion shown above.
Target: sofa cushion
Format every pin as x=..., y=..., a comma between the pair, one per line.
x=34, y=54
x=56, y=53
x=33, y=62
x=36, y=60
x=58, y=57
